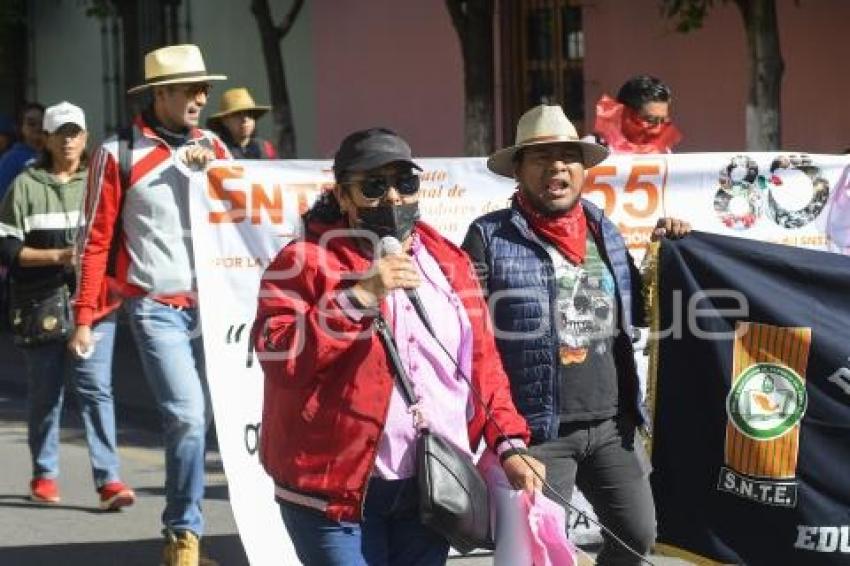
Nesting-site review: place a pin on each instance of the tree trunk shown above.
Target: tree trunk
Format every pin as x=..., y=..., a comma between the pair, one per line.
x=132, y=63
x=270, y=37
x=473, y=21
x=764, y=114
x=16, y=55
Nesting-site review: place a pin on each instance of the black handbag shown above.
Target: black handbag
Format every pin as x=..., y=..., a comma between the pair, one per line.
x=40, y=316
x=453, y=498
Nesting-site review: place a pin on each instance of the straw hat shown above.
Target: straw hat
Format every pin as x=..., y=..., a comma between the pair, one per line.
x=544, y=125
x=238, y=100
x=175, y=64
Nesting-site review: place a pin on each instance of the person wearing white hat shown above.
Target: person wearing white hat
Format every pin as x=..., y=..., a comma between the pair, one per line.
x=38, y=227
x=137, y=250
x=553, y=262
x=236, y=124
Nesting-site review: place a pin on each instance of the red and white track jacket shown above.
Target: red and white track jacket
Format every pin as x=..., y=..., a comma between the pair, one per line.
x=155, y=253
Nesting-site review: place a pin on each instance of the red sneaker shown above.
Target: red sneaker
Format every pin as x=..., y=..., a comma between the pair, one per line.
x=44, y=490
x=115, y=495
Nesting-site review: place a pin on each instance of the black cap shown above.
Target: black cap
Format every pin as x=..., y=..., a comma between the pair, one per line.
x=367, y=149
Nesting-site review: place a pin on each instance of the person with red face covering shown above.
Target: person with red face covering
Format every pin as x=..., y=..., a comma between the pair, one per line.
x=638, y=121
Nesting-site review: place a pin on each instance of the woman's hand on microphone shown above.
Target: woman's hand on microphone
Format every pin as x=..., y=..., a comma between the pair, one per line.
x=387, y=274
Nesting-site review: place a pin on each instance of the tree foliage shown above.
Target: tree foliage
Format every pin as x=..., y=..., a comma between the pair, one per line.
x=100, y=8
x=763, y=113
x=688, y=15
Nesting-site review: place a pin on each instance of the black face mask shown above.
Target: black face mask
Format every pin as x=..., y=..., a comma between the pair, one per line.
x=396, y=221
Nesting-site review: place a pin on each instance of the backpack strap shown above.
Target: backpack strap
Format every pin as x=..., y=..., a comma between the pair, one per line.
x=125, y=165
x=125, y=156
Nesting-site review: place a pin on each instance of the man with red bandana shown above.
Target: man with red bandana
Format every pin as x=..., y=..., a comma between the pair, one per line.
x=565, y=295
x=638, y=121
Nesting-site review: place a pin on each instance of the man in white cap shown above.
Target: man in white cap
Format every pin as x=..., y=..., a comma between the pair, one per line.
x=137, y=250
x=565, y=294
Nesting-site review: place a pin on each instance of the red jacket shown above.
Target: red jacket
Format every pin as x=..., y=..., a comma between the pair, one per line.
x=151, y=170
x=327, y=392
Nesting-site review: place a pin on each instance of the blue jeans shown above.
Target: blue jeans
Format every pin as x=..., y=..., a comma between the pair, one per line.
x=172, y=354
x=92, y=382
x=389, y=534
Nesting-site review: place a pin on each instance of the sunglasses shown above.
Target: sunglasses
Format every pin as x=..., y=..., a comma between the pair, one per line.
x=654, y=120
x=194, y=89
x=552, y=153
x=377, y=187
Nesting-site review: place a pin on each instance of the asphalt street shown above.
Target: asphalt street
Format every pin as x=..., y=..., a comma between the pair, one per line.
x=76, y=533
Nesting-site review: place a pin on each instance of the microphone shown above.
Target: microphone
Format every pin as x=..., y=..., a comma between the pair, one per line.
x=389, y=245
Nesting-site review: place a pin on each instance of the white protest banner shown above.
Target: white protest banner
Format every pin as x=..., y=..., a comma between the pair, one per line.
x=242, y=214
x=784, y=198
x=247, y=211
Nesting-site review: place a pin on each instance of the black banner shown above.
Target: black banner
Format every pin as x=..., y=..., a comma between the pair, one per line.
x=750, y=381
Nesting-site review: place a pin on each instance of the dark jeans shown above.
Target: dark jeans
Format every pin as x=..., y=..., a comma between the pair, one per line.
x=389, y=534
x=612, y=470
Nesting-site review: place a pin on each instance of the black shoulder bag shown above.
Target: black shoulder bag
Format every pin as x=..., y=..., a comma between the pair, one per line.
x=41, y=314
x=453, y=498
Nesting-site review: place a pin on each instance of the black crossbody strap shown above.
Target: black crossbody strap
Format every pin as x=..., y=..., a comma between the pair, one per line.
x=385, y=334
x=125, y=155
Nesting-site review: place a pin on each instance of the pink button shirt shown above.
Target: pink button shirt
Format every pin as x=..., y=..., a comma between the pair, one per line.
x=444, y=395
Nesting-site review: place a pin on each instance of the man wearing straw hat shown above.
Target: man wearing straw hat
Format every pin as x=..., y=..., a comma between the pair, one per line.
x=236, y=123
x=564, y=294
x=136, y=249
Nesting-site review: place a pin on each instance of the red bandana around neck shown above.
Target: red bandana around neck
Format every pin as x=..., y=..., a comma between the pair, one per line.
x=624, y=132
x=567, y=232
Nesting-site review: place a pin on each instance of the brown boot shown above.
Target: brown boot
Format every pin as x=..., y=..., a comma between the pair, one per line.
x=182, y=548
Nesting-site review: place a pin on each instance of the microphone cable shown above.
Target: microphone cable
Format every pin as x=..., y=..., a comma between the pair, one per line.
x=390, y=245
x=489, y=416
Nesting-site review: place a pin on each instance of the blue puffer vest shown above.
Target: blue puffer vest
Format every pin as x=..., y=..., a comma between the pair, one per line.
x=522, y=300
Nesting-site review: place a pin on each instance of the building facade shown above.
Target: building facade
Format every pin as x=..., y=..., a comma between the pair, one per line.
x=397, y=63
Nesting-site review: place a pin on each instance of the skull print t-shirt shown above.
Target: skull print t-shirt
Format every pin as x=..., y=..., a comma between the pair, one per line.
x=586, y=323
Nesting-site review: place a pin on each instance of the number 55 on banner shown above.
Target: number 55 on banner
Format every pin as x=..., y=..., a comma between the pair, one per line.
x=631, y=192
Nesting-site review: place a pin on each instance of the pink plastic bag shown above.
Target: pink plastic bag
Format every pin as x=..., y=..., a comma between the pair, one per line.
x=838, y=223
x=548, y=525
x=528, y=531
